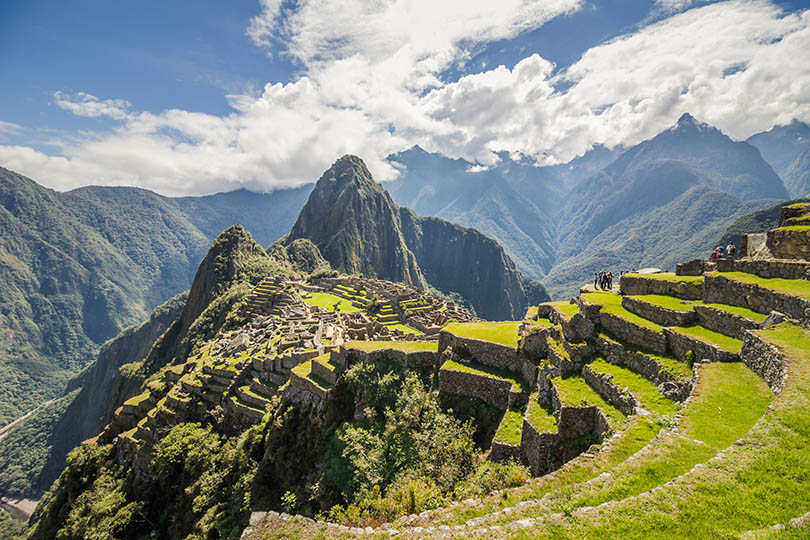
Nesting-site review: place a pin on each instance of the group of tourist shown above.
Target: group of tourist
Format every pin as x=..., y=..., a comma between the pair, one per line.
x=603, y=280
x=721, y=252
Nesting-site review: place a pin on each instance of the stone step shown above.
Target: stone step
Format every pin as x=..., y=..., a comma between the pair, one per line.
x=248, y=396
x=728, y=320
x=623, y=324
x=506, y=442
x=572, y=394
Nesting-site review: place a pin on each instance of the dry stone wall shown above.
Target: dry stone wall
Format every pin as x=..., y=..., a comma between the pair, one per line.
x=765, y=360
x=644, y=338
x=635, y=285
x=657, y=314
x=495, y=392
x=484, y=352
x=724, y=322
x=789, y=243
x=619, y=397
x=681, y=344
x=721, y=290
x=769, y=268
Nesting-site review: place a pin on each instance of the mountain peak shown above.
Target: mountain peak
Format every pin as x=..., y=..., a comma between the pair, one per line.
x=349, y=169
x=687, y=121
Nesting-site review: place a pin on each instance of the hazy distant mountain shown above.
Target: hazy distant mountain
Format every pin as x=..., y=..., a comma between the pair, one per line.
x=358, y=228
x=787, y=149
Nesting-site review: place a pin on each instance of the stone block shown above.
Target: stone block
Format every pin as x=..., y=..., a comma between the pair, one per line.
x=488, y=389
x=681, y=344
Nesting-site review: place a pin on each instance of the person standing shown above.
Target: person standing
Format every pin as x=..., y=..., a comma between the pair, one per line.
x=731, y=249
x=714, y=255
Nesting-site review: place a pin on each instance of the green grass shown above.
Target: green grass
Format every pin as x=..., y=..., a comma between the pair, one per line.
x=645, y=391
x=567, y=309
x=304, y=369
x=575, y=392
x=794, y=228
x=137, y=400
x=724, y=342
x=404, y=346
x=612, y=303
x=518, y=384
x=668, y=276
x=741, y=311
x=798, y=205
x=793, y=287
x=505, y=333
x=510, y=428
x=326, y=361
x=327, y=301
x=531, y=313
x=668, y=302
x=539, y=417
x=404, y=328
x=671, y=365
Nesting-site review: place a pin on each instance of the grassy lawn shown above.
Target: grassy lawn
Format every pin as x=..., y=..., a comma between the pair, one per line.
x=404, y=328
x=505, y=333
x=510, y=428
x=726, y=343
x=645, y=391
x=575, y=392
x=668, y=302
x=668, y=276
x=539, y=417
x=741, y=311
x=404, y=346
x=328, y=301
x=567, y=309
x=793, y=287
x=531, y=313
x=612, y=304
x=479, y=369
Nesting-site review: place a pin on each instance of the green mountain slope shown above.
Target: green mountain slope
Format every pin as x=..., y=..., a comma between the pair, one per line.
x=786, y=149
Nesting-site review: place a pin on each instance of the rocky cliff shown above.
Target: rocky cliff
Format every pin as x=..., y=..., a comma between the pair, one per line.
x=359, y=229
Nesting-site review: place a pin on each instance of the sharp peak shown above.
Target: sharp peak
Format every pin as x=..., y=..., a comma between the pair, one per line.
x=346, y=170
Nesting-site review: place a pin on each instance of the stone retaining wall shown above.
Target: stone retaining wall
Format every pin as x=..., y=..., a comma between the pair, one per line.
x=721, y=290
x=639, y=336
x=323, y=372
x=603, y=384
x=657, y=314
x=770, y=268
x=789, y=243
x=695, y=267
x=495, y=392
x=765, y=360
x=538, y=450
x=680, y=344
x=502, y=452
x=634, y=285
x=484, y=352
x=724, y=322
x=307, y=385
x=646, y=366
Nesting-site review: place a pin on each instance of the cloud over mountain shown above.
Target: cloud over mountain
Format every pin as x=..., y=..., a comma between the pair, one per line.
x=375, y=81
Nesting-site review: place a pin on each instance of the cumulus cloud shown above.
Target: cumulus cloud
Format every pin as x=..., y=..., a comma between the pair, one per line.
x=84, y=104
x=371, y=84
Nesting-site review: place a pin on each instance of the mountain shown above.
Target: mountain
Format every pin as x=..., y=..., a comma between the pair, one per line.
x=787, y=149
x=512, y=202
x=359, y=229
x=78, y=267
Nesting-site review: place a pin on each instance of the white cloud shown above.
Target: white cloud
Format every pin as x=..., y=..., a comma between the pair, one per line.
x=370, y=85
x=84, y=104
x=8, y=127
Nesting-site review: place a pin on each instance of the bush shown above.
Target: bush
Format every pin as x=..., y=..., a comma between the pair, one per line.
x=491, y=476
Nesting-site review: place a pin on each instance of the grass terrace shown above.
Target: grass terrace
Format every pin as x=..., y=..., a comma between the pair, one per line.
x=327, y=301
x=671, y=365
x=304, y=370
x=667, y=276
x=539, y=417
x=575, y=392
x=567, y=309
x=510, y=428
x=645, y=391
x=794, y=228
x=531, y=313
x=705, y=335
x=667, y=302
x=741, y=311
x=326, y=361
x=612, y=303
x=518, y=384
x=404, y=346
x=793, y=287
x=504, y=333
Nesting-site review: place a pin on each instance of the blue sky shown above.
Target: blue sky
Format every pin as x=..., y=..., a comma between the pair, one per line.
x=197, y=97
